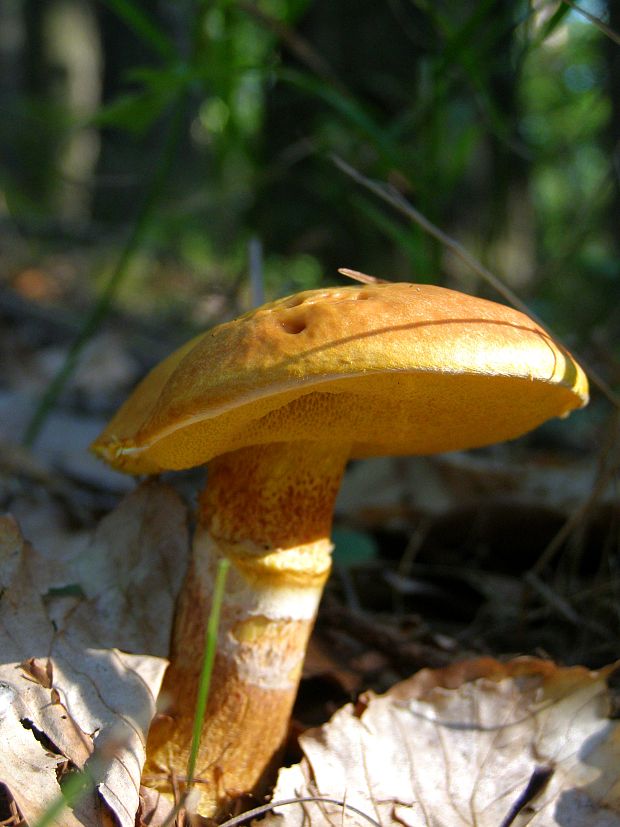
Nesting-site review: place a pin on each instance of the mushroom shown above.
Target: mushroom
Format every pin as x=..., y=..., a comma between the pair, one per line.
x=276, y=402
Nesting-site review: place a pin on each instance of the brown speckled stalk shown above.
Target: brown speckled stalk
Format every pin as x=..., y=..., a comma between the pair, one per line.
x=268, y=509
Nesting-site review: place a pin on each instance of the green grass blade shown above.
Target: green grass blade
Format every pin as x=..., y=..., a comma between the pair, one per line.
x=207, y=665
x=76, y=786
x=102, y=306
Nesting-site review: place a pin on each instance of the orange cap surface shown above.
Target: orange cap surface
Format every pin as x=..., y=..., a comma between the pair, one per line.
x=386, y=368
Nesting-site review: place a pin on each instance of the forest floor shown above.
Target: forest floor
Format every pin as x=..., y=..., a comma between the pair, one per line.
x=499, y=552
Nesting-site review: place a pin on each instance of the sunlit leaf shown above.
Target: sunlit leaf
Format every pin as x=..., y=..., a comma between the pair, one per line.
x=80, y=671
x=479, y=743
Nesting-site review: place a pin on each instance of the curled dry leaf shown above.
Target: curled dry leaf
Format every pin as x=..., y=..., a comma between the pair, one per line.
x=480, y=743
x=362, y=277
x=81, y=666
x=154, y=809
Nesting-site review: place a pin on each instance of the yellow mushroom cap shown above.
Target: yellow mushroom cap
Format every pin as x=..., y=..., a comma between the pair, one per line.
x=387, y=368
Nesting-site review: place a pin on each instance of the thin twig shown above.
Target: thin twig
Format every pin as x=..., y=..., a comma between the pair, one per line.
x=303, y=50
x=257, y=811
x=596, y=21
x=561, y=606
x=573, y=521
x=364, y=278
x=391, y=196
x=605, y=475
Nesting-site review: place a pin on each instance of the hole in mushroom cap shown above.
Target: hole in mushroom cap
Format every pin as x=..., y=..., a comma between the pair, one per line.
x=294, y=325
x=327, y=295
x=362, y=296
x=294, y=302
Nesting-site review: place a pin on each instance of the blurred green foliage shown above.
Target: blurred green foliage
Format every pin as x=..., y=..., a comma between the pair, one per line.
x=494, y=117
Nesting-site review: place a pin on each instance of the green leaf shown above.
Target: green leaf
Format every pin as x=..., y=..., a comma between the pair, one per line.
x=171, y=78
x=135, y=112
x=353, y=548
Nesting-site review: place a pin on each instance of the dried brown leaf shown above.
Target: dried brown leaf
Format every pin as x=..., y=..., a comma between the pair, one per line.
x=80, y=668
x=154, y=808
x=460, y=746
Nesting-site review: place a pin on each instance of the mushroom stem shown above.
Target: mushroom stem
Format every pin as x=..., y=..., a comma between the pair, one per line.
x=268, y=509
